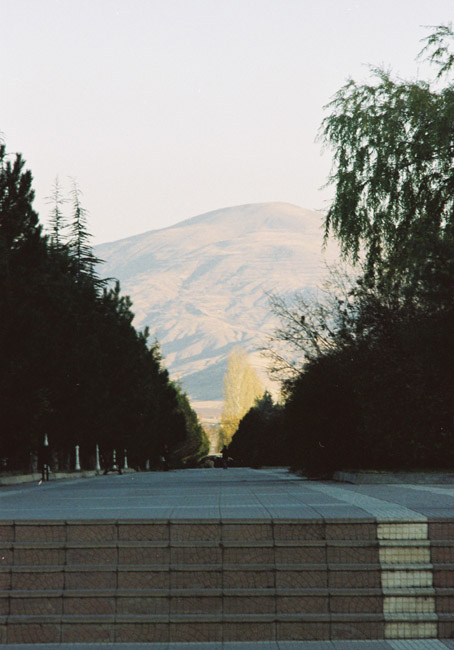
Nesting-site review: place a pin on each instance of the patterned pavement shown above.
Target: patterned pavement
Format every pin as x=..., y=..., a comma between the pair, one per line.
x=238, y=493
x=218, y=494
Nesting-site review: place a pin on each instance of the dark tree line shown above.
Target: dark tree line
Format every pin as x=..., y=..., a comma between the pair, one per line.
x=374, y=388
x=72, y=366
x=260, y=438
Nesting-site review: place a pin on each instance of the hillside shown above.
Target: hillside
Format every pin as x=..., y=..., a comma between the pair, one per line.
x=201, y=285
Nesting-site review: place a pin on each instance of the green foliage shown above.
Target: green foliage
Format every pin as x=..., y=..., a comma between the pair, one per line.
x=373, y=382
x=79, y=237
x=19, y=229
x=381, y=397
x=242, y=386
x=57, y=217
x=438, y=49
x=196, y=444
x=376, y=393
x=259, y=439
x=71, y=363
x=393, y=145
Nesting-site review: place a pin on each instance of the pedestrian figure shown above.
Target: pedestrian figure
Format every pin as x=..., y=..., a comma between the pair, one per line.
x=225, y=457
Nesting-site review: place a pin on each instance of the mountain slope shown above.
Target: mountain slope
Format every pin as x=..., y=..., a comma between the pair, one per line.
x=201, y=285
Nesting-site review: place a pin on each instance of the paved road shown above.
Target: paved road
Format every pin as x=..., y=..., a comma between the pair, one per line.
x=232, y=494
x=236, y=493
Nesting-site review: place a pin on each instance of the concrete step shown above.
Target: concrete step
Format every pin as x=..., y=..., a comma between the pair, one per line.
x=182, y=601
x=414, y=644
x=188, y=627
x=212, y=581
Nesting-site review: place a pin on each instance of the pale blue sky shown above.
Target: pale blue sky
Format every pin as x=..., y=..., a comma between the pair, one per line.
x=165, y=109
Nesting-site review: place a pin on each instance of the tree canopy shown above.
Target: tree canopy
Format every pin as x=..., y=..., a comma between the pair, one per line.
x=373, y=365
x=242, y=387
x=393, y=146
x=72, y=366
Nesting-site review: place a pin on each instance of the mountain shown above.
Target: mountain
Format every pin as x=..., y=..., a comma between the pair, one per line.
x=201, y=285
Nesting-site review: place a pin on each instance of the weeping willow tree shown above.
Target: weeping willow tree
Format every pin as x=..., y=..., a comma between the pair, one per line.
x=393, y=171
x=376, y=389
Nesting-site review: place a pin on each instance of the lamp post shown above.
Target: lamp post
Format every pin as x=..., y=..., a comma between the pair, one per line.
x=77, y=463
x=45, y=459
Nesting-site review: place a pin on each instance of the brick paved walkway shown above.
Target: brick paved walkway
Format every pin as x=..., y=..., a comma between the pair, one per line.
x=399, y=537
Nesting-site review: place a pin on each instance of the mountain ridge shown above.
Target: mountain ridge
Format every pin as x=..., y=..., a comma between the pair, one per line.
x=201, y=284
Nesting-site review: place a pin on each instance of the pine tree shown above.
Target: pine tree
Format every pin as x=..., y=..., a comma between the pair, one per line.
x=18, y=220
x=57, y=218
x=22, y=250
x=80, y=237
x=71, y=363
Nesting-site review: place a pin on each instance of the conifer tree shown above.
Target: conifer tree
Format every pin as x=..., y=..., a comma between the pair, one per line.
x=21, y=253
x=18, y=220
x=80, y=237
x=71, y=363
x=57, y=217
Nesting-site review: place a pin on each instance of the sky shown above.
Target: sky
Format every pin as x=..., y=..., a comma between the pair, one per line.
x=161, y=110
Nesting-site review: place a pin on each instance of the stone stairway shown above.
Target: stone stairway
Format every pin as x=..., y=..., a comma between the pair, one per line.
x=206, y=580
x=407, y=580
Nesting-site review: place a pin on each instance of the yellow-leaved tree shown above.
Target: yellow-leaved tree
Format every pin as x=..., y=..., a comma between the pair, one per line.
x=242, y=387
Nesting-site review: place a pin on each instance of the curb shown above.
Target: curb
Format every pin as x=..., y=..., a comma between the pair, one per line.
x=383, y=478
x=53, y=476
